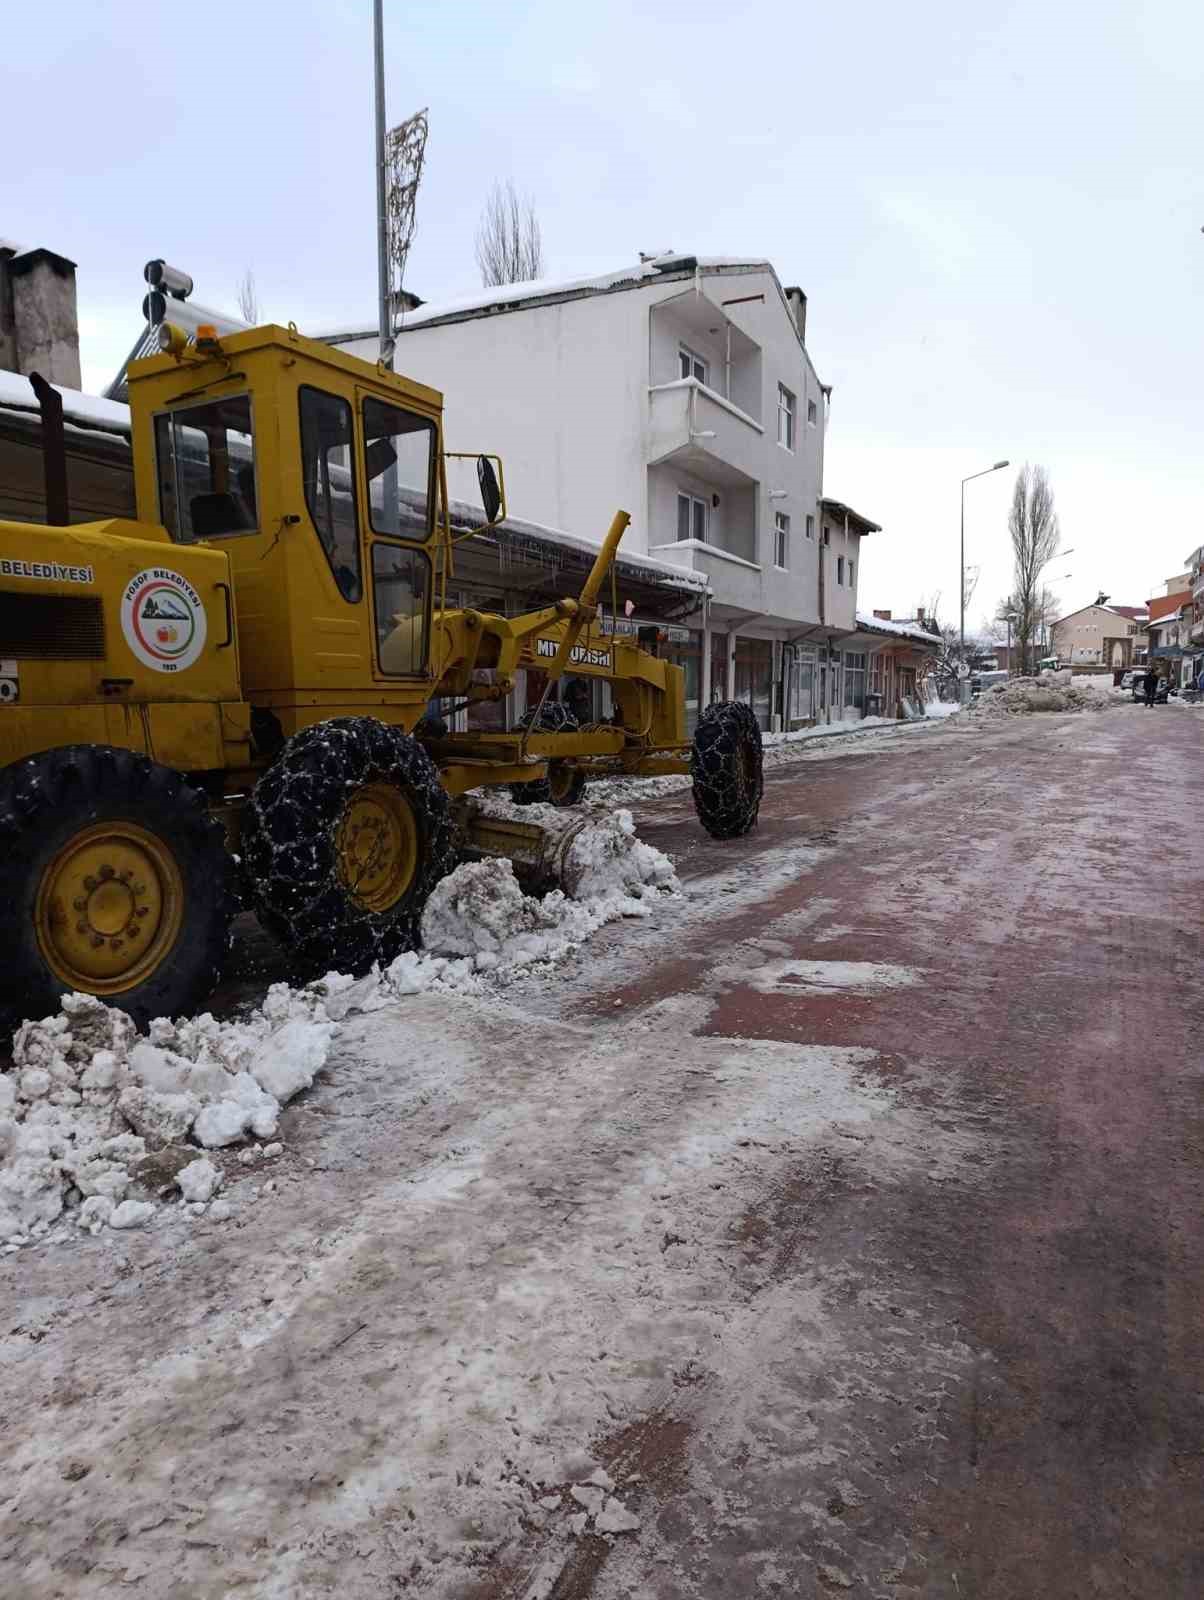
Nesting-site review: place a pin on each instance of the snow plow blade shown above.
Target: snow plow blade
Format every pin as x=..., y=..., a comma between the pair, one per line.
x=540, y=852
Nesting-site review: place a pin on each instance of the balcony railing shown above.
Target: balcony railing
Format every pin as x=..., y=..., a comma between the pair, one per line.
x=703, y=433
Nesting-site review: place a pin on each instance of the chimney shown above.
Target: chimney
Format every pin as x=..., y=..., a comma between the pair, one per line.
x=8, y=336
x=798, y=304
x=919, y=613
x=882, y=616
x=40, y=288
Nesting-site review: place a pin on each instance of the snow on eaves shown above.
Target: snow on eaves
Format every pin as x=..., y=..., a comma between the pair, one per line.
x=79, y=410
x=905, y=630
x=502, y=295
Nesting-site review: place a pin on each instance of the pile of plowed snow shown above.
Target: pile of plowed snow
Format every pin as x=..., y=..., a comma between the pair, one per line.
x=1050, y=691
x=96, y=1121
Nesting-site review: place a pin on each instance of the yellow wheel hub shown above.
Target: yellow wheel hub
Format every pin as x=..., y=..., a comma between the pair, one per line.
x=109, y=909
x=377, y=846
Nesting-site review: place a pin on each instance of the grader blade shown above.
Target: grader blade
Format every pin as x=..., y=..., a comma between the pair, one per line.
x=541, y=853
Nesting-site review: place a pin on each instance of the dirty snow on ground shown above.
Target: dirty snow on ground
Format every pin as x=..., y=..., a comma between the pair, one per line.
x=522, y=1240
x=864, y=734
x=95, y=1121
x=523, y=1234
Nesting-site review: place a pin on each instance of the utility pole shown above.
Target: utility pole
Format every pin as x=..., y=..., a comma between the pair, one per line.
x=385, y=309
x=962, y=564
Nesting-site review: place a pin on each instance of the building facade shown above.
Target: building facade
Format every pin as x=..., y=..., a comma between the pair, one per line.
x=680, y=390
x=1170, y=628
x=1195, y=576
x=1100, y=635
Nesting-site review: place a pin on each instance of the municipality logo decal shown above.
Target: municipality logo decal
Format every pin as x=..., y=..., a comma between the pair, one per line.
x=163, y=619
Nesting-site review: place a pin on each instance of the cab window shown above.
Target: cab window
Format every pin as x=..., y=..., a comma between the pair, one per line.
x=205, y=458
x=400, y=581
x=326, y=467
x=399, y=459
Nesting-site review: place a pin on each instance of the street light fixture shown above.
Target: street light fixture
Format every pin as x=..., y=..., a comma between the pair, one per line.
x=962, y=590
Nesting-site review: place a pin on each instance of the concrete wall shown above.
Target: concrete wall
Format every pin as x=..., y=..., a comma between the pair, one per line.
x=560, y=392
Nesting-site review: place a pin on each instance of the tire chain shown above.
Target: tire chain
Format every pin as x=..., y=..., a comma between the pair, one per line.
x=727, y=803
x=290, y=850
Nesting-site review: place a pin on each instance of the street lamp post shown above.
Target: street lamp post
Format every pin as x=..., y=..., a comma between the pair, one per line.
x=962, y=588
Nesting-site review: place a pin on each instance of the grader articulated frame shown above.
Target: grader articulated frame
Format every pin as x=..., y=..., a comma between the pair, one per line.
x=239, y=697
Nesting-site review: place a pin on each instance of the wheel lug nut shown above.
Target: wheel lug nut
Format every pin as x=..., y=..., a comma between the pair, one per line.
x=97, y=941
x=143, y=910
x=106, y=872
x=89, y=883
x=133, y=931
x=80, y=904
x=114, y=944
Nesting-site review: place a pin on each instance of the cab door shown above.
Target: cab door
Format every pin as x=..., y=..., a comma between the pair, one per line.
x=400, y=457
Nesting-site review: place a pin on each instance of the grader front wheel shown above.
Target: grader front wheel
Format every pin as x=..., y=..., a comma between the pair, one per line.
x=346, y=835
x=116, y=882
x=726, y=768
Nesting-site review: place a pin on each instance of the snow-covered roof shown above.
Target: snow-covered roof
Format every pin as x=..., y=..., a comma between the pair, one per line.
x=905, y=630
x=79, y=410
x=511, y=295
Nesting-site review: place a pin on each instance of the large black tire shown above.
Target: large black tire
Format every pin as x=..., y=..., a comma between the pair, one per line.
x=565, y=784
x=168, y=882
x=296, y=847
x=727, y=768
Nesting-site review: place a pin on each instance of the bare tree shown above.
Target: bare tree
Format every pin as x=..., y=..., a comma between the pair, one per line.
x=248, y=298
x=508, y=244
x=1033, y=525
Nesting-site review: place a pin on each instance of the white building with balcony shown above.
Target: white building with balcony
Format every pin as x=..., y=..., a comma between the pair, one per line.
x=680, y=390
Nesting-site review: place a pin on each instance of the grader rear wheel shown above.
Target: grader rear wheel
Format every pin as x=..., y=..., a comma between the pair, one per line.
x=346, y=835
x=116, y=881
x=726, y=768
x=564, y=784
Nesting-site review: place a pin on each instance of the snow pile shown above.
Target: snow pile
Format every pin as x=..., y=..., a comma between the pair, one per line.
x=89, y=1103
x=480, y=914
x=1051, y=691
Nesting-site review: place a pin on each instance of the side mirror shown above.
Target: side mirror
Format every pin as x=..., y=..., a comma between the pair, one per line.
x=491, y=494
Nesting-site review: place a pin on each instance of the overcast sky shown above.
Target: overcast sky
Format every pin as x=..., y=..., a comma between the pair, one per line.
x=995, y=211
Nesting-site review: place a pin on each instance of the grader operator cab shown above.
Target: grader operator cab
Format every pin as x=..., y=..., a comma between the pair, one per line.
x=244, y=692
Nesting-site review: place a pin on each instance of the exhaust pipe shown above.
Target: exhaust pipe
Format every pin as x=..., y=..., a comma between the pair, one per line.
x=54, y=450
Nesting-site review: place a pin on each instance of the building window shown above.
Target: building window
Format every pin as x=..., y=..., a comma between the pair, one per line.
x=812, y=414
x=781, y=539
x=811, y=527
x=786, y=404
x=852, y=585
x=692, y=365
x=827, y=534
x=839, y=569
x=691, y=518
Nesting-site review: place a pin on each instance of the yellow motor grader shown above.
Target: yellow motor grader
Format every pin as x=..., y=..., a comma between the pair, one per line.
x=245, y=691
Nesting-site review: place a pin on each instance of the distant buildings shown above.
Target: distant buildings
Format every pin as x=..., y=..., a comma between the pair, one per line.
x=1102, y=635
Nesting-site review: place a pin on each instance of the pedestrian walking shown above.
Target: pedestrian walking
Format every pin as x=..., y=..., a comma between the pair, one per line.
x=1150, y=685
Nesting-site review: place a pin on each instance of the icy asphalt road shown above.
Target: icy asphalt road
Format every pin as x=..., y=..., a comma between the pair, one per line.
x=845, y=1215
